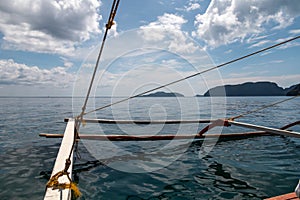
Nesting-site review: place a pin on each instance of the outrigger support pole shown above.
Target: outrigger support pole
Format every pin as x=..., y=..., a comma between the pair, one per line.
x=266, y=129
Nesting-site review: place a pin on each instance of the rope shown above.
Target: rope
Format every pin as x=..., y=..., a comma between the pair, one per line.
x=53, y=182
x=290, y=125
x=262, y=108
x=193, y=75
x=108, y=26
x=224, y=122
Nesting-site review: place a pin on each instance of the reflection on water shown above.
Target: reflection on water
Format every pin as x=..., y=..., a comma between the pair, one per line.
x=22, y=168
x=255, y=168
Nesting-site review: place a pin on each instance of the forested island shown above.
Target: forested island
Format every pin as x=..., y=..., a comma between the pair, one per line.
x=164, y=94
x=245, y=89
x=253, y=89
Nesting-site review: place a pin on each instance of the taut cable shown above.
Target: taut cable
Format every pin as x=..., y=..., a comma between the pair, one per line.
x=263, y=107
x=193, y=75
x=53, y=182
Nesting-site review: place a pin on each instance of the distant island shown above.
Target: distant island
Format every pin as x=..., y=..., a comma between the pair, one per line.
x=253, y=89
x=164, y=94
x=199, y=95
x=263, y=88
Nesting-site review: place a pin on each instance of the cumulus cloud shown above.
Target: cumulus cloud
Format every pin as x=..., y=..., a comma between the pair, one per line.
x=228, y=21
x=192, y=6
x=12, y=73
x=167, y=22
x=168, y=28
x=52, y=26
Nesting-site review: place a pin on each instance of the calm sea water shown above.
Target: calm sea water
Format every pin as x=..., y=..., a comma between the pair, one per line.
x=253, y=168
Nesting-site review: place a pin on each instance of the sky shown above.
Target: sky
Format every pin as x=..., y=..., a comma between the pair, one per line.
x=50, y=47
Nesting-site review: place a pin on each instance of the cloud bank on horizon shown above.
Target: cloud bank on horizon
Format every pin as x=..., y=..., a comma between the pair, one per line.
x=43, y=43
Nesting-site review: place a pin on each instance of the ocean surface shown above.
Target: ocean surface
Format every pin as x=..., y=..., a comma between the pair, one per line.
x=253, y=168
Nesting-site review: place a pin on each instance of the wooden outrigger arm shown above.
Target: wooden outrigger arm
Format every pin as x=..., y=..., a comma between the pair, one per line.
x=266, y=129
x=261, y=130
x=145, y=122
x=115, y=137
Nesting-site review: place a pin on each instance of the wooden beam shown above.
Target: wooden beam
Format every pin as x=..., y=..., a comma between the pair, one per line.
x=111, y=121
x=289, y=196
x=160, y=137
x=267, y=129
x=63, y=154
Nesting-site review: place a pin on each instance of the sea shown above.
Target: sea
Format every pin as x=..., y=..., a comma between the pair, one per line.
x=252, y=168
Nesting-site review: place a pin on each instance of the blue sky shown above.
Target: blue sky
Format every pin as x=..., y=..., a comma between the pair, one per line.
x=49, y=47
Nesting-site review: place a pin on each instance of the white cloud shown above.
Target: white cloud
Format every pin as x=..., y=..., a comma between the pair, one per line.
x=260, y=43
x=228, y=21
x=113, y=31
x=67, y=63
x=256, y=38
x=277, y=61
x=156, y=53
x=47, y=25
x=166, y=23
x=192, y=6
x=289, y=45
x=266, y=53
x=295, y=31
x=241, y=74
x=168, y=28
x=228, y=51
x=12, y=73
x=141, y=69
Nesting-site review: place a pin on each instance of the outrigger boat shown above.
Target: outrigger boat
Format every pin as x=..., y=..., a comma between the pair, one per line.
x=60, y=185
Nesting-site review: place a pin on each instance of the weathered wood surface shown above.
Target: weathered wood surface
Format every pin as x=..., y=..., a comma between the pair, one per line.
x=111, y=121
x=289, y=196
x=159, y=137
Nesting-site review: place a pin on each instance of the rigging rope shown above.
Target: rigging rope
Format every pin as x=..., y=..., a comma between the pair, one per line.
x=108, y=26
x=262, y=108
x=224, y=122
x=193, y=75
x=53, y=182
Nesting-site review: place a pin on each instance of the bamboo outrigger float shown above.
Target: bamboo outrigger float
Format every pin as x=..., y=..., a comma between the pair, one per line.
x=60, y=185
